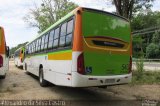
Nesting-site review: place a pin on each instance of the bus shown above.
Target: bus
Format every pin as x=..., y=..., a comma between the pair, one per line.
x=85, y=48
x=4, y=55
x=19, y=57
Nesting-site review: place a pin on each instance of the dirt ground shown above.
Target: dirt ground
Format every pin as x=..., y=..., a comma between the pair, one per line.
x=19, y=85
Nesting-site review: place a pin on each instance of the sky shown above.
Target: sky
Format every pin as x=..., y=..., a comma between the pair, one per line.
x=17, y=31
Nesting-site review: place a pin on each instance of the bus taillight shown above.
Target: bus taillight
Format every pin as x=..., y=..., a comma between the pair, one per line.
x=1, y=61
x=80, y=64
x=130, y=65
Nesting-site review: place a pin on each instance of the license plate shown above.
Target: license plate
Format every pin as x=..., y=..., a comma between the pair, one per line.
x=110, y=81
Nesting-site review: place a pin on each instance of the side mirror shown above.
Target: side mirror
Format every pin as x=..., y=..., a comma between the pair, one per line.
x=7, y=51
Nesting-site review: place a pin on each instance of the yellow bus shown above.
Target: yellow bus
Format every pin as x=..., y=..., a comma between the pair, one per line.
x=4, y=55
x=87, y=47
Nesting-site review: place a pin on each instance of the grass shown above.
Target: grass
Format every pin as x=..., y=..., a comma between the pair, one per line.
x=140, y=68
x=147, y=77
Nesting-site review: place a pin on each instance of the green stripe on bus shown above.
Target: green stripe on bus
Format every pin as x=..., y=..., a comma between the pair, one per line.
x=53, y=52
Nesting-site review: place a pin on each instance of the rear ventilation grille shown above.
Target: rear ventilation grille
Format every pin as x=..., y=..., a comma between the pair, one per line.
x=107, y=43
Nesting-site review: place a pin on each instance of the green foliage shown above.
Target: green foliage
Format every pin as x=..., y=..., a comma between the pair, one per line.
x=12, y=50
x=145, y=20
x=140, y=68
x=152, y=51
x=147, y=78
x=48, y=13
x=156, y=38
x=142, y=21
x=137, y=46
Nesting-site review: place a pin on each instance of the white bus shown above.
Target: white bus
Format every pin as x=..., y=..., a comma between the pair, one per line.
x=85, y=48
x=19, y=57
x=4, y=55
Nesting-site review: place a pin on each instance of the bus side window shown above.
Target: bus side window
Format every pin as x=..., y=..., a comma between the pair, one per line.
x=42, y=42
x=63, y=35
x=26, y=50
x=70, y=27
x=69, y=33
x=39, y=45
x=37, y=41
x=56, y=38
x=31, y=48
x=68, y=40
x=34, y=46
x=50, y=43
x=46, y=42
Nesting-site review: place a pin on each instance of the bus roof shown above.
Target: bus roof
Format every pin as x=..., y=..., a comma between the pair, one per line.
x=101, y=11
x=55, y=24
x=71, y=14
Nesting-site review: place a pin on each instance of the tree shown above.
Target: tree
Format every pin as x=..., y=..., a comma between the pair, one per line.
x=156, y=38
x=126, y=8
x=152, y=51
x=148, y=23
x=48, y=13
x=145, y=20
x=12, y=50
x=138, y=46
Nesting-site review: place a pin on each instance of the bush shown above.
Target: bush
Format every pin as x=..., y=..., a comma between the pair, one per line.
x=140, y=68
x=152, y=51
x=148, y=78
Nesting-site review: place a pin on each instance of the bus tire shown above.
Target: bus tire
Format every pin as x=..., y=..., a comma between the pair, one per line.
x=3, y=76
x=42, y=81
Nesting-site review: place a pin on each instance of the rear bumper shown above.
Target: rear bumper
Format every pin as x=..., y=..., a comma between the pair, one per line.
x=2, y=71
x=87, y=81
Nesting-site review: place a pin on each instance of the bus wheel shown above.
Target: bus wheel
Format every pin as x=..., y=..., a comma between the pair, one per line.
x=42, y=81
x=3, y=76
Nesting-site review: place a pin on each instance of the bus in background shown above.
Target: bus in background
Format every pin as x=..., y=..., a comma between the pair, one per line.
x=19, y=57
x=85, y=48
x=4, y=55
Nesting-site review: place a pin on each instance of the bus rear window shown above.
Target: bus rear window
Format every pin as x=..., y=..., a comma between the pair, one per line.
x=107, y=43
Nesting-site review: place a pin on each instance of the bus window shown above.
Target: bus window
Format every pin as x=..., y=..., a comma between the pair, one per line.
x=68, y=40
x=51, y=35
x=46, y=42
x=42, y=43
x=70, y=27
x=56, y=38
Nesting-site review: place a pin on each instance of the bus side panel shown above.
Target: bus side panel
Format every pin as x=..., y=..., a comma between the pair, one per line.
x=4, y=69
x=59, y=68
x=18, y=62
x=56, y=67
x=29, y=66
x=33, y=64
